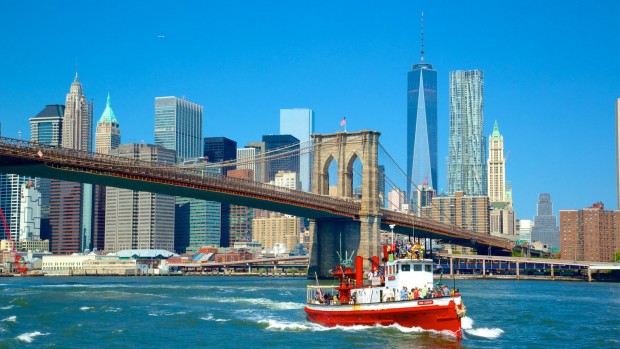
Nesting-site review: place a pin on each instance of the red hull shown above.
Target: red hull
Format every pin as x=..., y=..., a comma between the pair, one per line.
x=431, y=317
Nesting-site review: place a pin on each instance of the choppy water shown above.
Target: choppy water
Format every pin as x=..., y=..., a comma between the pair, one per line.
x=225, y=312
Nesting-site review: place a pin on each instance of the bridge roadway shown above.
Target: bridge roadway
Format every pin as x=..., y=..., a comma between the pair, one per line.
x=37, y=160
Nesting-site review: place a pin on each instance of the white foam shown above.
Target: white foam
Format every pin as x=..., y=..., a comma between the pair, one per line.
x=267, y=303
x=29, y=337
x=7, y=307
x=86, y=308
x=210, y=317
x=490, y=333
x=467, y=323
x=11, y=319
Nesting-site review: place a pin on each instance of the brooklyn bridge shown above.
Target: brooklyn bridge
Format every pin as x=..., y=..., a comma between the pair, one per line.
x=336, y=222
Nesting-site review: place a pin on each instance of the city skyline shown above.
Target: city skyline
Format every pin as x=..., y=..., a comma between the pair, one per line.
x=527, y=85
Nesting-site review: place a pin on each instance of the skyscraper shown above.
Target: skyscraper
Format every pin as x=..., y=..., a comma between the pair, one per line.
x=29, y=213
x=238, y=224
x=108, y=134
x=71, y=204
x=299, y=123
x=218, y=149
x=178, y=126
x=545, y=228
x=496, y=167
x=136, y=219
x=107, y=138
x=467, y=145
x=46, y=128
x=10, y=199
x=281, y=154
x=421, y=125
x=247, y=159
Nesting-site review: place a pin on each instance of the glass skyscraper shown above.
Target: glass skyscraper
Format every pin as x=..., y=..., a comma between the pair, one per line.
x=282, y=154
x=178, y=126
x=545, y=227
x=299, y=123
x=467, y=169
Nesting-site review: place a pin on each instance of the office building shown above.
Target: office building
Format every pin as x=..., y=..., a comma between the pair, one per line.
x=590, y=234
x=396, y=199
x=287, y=179
x=276, y=230
x=496, y=167
x=525, y=230
x=238, y=224
x=178, y=126
x=107, y=138
x=29, y=213
x=10, y=202
x=46, y=128
x=461, y=210
x=220, y=149
x=197, y=222
x=281, y=154
x=421, y=125
x=423, y=196
x=467, y=146
x=299, y=122
x=136, y=219
x=545, y=227
x=71, y=204
x=248, y=159
x=260, y=175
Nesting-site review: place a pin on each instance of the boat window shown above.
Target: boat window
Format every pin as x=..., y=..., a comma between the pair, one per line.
x=405, y=267
x=428, y=267
x=417, y=267
x=397, y=268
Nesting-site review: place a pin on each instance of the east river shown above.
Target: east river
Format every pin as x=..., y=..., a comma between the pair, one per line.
x=253, y=312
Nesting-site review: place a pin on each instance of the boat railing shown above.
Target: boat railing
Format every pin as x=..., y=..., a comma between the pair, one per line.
x=316, y=295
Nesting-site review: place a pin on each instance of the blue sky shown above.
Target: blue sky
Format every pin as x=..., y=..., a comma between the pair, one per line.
x=552, y=73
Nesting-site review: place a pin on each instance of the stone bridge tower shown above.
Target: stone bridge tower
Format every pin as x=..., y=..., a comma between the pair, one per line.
x=362, y=235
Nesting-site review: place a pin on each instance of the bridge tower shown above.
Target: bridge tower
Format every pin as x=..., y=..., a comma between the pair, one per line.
x=362, y=234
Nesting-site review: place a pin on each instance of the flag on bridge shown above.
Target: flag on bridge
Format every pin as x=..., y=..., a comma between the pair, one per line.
x=343, y=122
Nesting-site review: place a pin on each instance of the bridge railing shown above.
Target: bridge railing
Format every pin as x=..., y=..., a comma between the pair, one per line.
x=63, y=157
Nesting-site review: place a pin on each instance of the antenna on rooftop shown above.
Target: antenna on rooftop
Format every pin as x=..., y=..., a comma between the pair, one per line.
x=422, y=42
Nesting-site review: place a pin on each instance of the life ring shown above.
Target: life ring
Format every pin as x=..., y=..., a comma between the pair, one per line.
x=461, y=310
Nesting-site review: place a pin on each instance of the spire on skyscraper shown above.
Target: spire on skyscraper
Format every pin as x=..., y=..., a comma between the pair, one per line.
x=422, y=41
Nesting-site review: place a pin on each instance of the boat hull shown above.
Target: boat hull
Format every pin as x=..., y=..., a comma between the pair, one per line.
x=425, y=314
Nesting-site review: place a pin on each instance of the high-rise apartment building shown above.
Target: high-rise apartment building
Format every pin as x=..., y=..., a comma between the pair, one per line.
x=219, y=149
x=29, y=213
x=46, y=128
x=178, y=126
x=618, y=154
x=467, y=145
x=71, y=204
x=590, y=234
x=281, y=154
x=545, y=227
x=197, y=222
x=136, y=219
x=299, y=122
x=276, y=230
x=421, y=125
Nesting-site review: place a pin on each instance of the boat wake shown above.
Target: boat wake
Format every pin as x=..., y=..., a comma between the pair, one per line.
x=29, y=337
x=264, y=302
x=10, y=319
x=468, y=327
x=210, y=317
x=7, y=307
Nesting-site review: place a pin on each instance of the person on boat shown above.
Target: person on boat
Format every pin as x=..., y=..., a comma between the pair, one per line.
x=336, y=301
x=452, y=291
x=445, y=291
x=408, y=249
x=403, y=294
x=429, y=293
x=422, y=292
x=417, y=250
x=416, y=293
x=387, y=294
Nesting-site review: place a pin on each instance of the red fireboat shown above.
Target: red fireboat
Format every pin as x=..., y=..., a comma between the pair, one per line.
x=381, y=300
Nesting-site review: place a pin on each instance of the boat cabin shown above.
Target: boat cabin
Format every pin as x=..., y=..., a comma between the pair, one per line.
x=409, y=272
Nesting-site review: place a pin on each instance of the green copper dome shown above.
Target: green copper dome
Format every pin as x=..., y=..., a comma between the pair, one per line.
x=495, y=133
x=108, y=114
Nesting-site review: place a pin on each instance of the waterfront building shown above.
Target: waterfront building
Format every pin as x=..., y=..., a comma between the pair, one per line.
x=34, y=245
x=276, y=230
x=107, y=138
x=421, y=125
x=590, y=234
x=220, y=149
x=197, y=222
x=238, y=224
x=461, y=210
x=178, y=126
x=281, y=154
x=29, y=213
x=46, y=128
x=396, y=199
x=71, y=204
x=467, y=170
x=299, y=122
x=136, y=219
x=545, y=227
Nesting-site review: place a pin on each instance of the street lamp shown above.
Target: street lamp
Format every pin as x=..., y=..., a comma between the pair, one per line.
x=392, y=228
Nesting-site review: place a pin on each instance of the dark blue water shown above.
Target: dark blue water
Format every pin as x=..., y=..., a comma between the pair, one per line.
x=225, y=312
